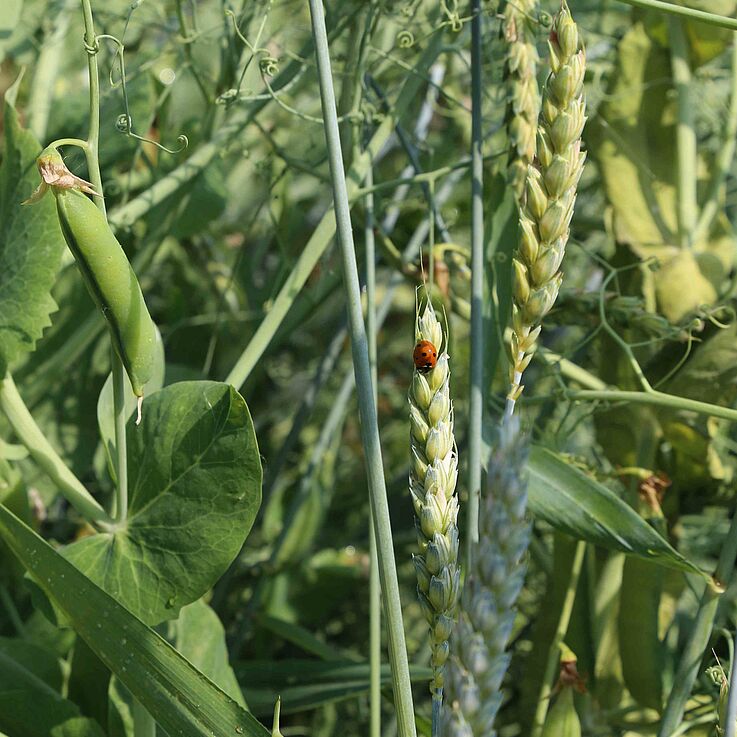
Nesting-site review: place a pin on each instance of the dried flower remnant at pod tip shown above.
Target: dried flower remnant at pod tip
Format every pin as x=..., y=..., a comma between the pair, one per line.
x=523, y=93
x=432, y=483
x=550, y=195
x=54, y=173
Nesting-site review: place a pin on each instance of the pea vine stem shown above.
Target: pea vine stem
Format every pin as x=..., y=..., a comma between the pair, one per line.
x=685, y=133
x=91, y=150
x=46, y=457
x=364, y=384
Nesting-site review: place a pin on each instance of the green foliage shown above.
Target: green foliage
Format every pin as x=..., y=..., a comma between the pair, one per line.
x=155, y=673
x=31, y=245
x=569, y=500
x=195, y=480
x=232, y=240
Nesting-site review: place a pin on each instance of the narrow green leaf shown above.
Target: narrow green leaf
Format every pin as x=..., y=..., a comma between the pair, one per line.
x=183, y=700
x=570, y=501
x=31, y=245
x=308, y=684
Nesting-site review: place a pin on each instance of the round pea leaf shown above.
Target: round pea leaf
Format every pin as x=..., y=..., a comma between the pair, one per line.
x=194, y=490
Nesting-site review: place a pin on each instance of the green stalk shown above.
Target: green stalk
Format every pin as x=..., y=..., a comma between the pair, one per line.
x=712, y=19
x=374, y=583
x=93, y=164
x=685, y=133
x=46, y=457
x=476, y=400
x=723, y=160
x=654, y=397
x=364, y=384
x=690, y=661
x=543, y=700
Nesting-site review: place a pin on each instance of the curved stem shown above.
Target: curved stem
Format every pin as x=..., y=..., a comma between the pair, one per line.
x=364, y=385
x=80, y=143
x=46, y=457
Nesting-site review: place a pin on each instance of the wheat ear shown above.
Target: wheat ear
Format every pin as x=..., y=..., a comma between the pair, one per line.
x=432, y=483
x=550, y=193
x=487, y=610
x=523, y=100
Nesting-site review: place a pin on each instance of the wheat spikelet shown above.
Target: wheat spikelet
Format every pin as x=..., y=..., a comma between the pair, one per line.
x=550, y=193
x=523, y=99
x=432, y=483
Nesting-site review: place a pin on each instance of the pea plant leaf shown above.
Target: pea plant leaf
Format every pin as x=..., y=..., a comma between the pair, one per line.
x=31, y=245
x=181, y=699
x=570, y=501
x=200, y=637
x=194, y=488
x=633, y=138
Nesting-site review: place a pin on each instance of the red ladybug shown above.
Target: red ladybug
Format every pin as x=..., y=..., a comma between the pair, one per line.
x=425, y=356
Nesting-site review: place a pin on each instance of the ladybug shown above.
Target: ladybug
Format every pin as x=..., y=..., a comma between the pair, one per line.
x=425, y=356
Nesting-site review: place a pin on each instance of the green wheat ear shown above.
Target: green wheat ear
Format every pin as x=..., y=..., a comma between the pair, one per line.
x=432, y=483
x=492, y=586
x=550, y=194
x=523, y=93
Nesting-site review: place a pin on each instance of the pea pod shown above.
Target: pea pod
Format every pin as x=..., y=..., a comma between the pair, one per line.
x=562, y=719
x=104, y=266
x=641, y=649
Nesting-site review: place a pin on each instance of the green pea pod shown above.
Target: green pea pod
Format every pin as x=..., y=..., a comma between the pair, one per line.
x=104, y=267
x=562, y=719
x=640, y=647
